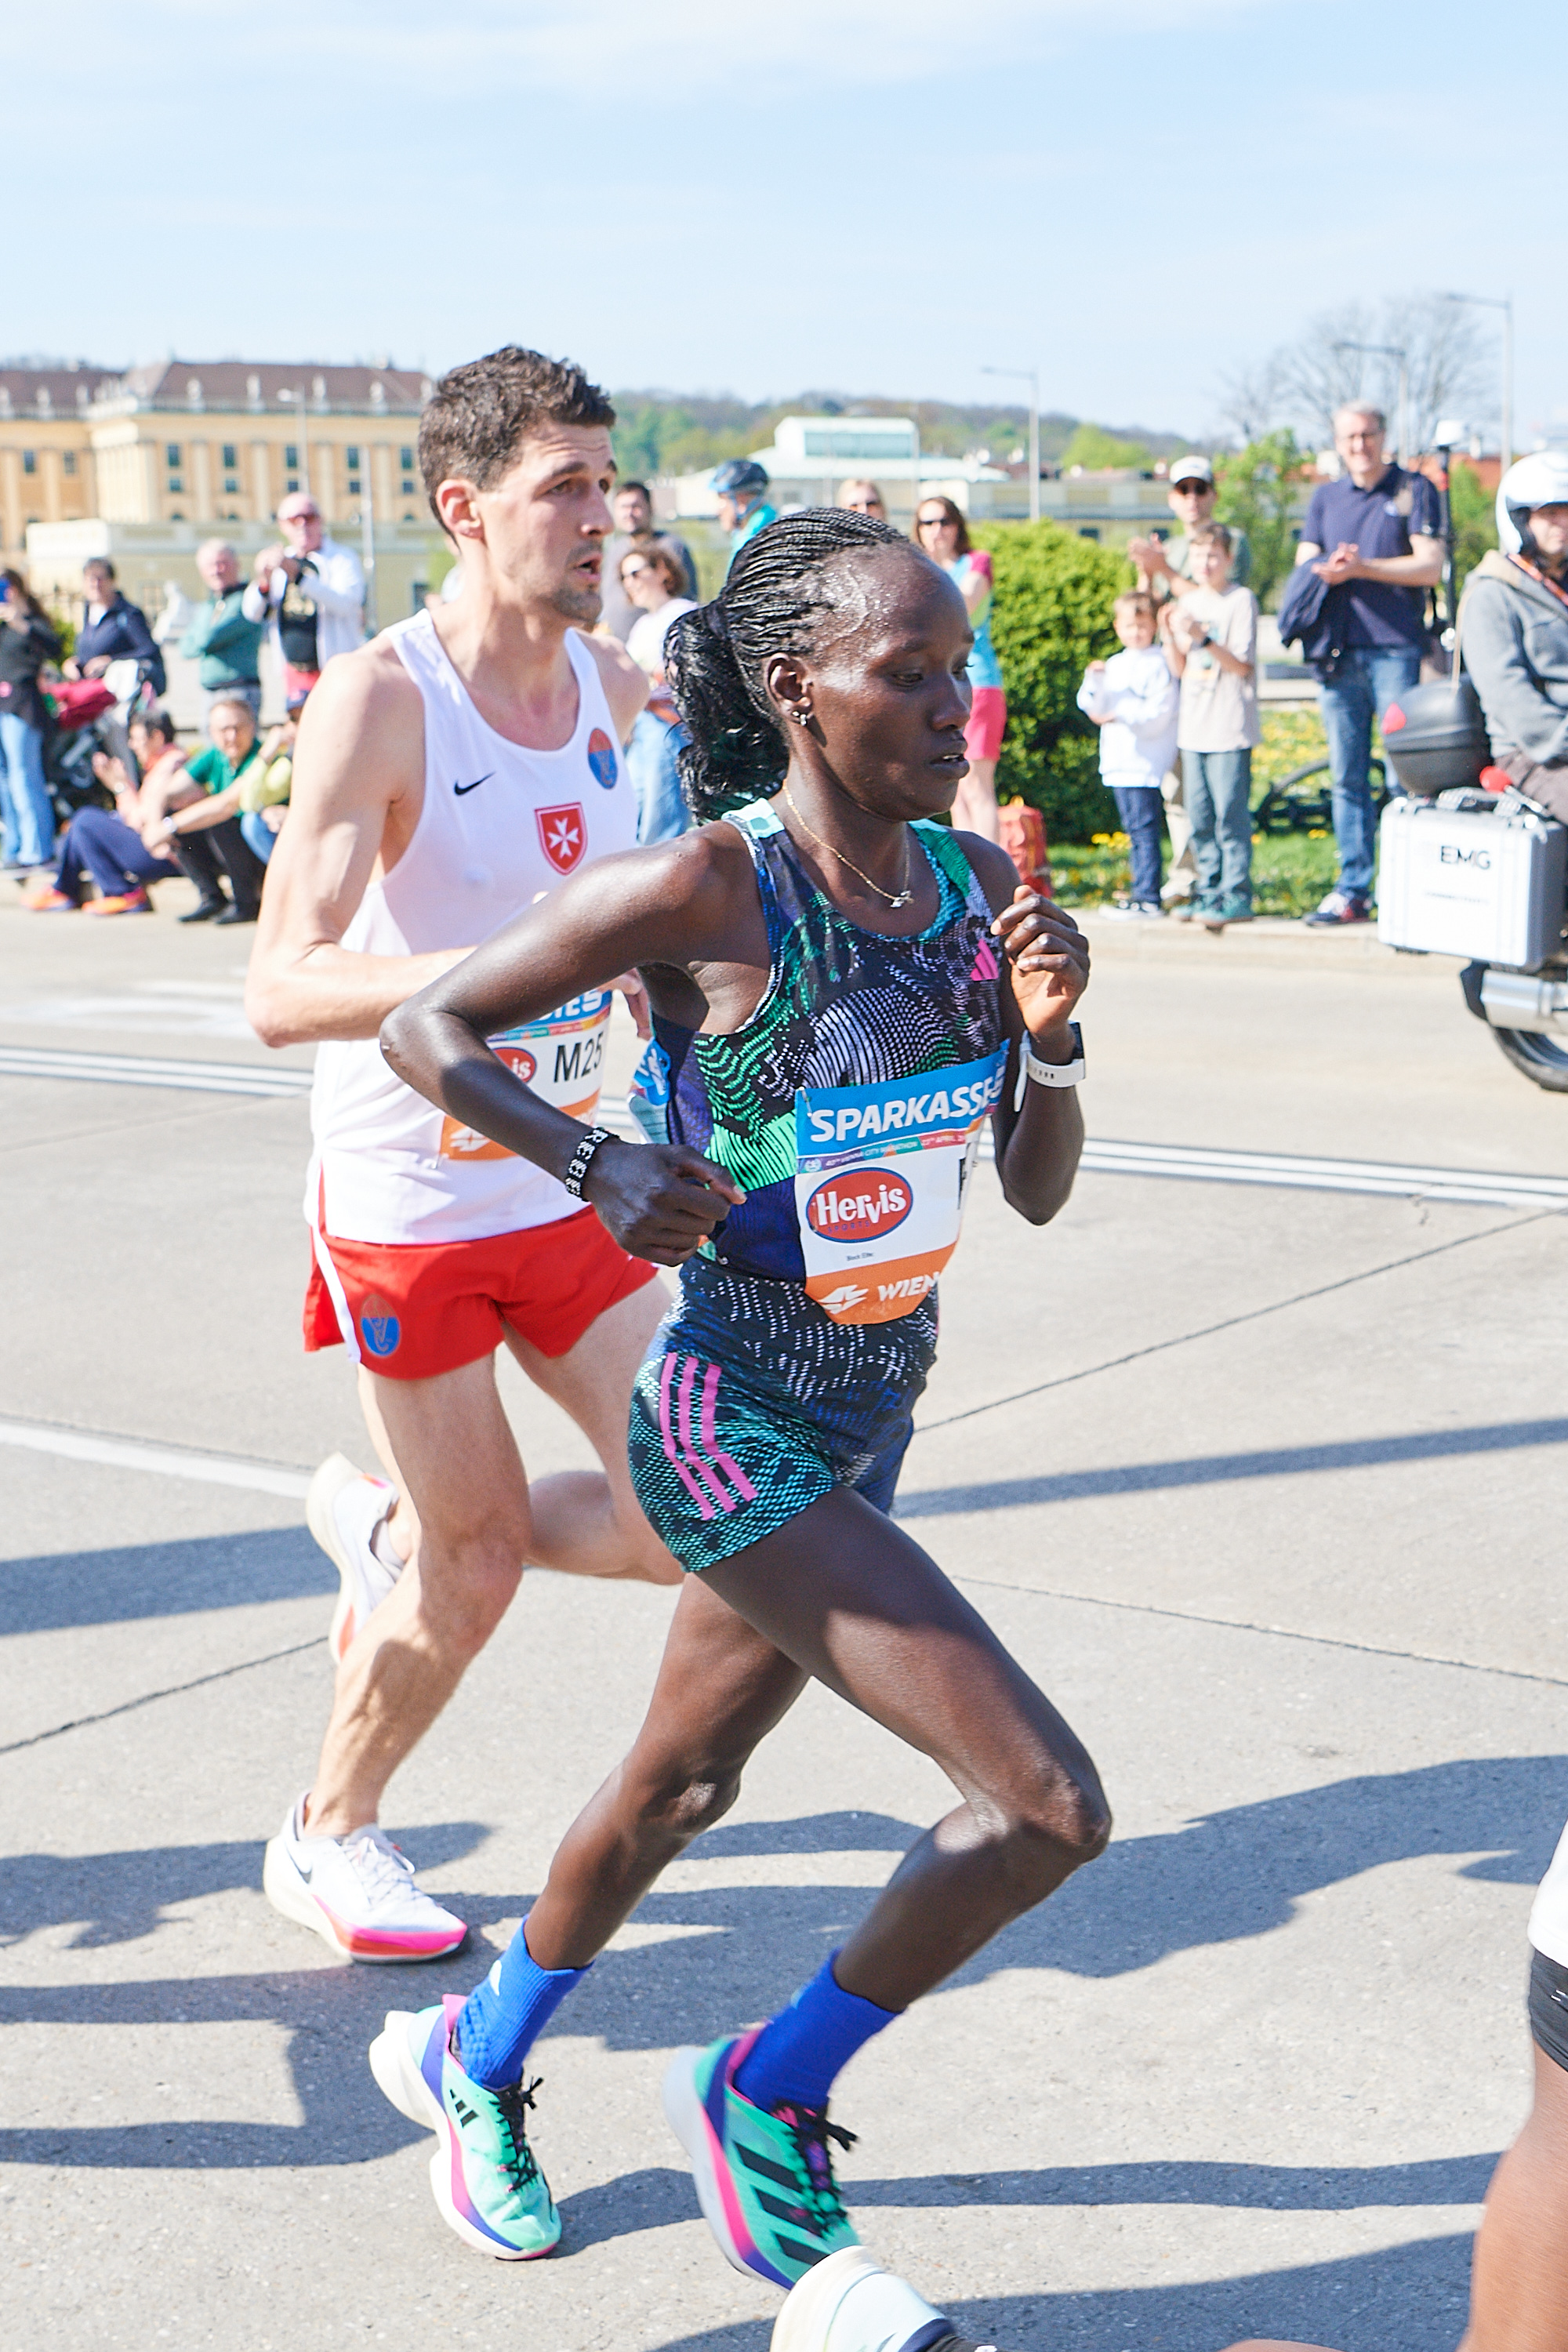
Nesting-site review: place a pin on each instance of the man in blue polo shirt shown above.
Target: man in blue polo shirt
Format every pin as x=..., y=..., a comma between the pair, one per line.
x=1375, y=536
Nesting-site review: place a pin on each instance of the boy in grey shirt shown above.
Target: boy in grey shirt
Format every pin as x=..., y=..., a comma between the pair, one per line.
x=1211, y=643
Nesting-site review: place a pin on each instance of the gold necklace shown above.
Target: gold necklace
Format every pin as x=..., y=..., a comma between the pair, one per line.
x=899, y=899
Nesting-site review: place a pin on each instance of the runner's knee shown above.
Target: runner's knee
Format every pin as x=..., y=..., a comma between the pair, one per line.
x=468, y=1582
x=1053, y=1825
x=681, y=1804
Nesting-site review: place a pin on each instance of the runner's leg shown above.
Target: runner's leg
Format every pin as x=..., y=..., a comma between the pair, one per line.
x=583, y=1525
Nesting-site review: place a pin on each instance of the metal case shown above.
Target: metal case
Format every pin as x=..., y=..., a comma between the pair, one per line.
x=1471, y=881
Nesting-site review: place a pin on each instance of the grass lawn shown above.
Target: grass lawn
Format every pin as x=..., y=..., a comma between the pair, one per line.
x=1290, y=871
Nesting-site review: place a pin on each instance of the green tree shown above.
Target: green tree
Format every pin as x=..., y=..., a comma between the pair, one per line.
x=1095, y=449
x=1050, y=618
x=1475, y=520
x=1260, y=491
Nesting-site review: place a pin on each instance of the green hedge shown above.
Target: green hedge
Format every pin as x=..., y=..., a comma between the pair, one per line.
x=1052, y=617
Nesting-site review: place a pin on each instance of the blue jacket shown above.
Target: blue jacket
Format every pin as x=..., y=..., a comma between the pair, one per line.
x=1313, y=612
x=121, y=635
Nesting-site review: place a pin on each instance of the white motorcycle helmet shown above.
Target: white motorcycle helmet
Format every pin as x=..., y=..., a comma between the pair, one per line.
x=1538, y=480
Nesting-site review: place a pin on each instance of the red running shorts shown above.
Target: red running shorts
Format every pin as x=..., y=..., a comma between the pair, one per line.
x=987, y=723
x=411, y=1311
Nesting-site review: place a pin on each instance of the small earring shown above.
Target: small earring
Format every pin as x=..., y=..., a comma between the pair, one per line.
x=800, y=717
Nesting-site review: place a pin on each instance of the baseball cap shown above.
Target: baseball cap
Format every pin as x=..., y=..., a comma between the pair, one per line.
x=1190, y=469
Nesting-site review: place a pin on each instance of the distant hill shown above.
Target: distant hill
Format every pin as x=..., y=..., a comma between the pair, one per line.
x=681, y=433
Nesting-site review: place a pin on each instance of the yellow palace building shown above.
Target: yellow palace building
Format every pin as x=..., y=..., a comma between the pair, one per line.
x=142, y=464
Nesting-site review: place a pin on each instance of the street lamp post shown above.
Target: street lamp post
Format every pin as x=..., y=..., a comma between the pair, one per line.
x=1503, y=303
x=1392, y=351
x=1031, y=376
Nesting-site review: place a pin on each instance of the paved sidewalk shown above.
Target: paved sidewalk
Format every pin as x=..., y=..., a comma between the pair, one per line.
x=1262, y=1485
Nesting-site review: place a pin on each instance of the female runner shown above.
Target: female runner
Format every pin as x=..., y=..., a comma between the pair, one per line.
x=843, y=992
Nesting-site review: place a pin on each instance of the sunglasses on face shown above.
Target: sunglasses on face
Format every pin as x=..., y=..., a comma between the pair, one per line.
x=933, y=522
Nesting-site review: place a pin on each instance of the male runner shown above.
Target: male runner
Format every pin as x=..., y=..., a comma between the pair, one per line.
x=448, y=774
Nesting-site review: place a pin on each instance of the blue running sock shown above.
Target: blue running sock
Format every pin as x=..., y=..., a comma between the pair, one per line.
x=795, y=2057
x=507, y=2011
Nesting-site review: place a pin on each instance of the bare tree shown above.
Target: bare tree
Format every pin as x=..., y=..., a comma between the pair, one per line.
x=1304, y=383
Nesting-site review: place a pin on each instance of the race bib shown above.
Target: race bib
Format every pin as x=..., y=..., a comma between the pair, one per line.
x=561, y=1057
x=880, y=1179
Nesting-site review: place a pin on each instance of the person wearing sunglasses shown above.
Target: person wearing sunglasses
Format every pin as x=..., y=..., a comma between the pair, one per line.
x=863, y=497
x=941, y=532
x=652, y=582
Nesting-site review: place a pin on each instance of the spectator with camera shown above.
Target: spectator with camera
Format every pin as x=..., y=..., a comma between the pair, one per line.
x=310, y=592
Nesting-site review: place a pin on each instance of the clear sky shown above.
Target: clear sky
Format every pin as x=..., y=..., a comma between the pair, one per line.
x=756, y=195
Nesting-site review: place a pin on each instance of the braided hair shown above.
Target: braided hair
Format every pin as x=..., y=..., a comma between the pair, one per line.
x=781, y=586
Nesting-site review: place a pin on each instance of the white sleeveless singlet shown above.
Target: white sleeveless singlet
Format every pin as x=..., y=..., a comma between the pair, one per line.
x=500, y=827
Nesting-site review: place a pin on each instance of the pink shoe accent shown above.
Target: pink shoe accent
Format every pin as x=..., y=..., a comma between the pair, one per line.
x=362, y=1941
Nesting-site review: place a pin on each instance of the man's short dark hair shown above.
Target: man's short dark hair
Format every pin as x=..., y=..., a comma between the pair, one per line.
x=621, y=488
x=478, y=413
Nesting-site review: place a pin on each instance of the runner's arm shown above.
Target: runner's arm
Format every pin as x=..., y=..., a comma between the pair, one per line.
x=358, y=764
x=667, y=906
x=1045, y=971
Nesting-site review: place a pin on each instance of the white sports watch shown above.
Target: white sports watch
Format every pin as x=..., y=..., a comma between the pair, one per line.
x=1048, y=1074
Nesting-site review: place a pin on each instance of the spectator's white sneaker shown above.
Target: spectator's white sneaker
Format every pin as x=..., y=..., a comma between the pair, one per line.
x=358, y=1894
x=344, y=1510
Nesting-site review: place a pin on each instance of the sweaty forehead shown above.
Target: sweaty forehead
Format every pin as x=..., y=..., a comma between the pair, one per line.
x=886, y=593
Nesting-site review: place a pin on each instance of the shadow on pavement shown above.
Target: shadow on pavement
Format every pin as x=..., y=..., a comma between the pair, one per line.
x=1409, y=2298
x=55, y=1591
x=1219, y=1469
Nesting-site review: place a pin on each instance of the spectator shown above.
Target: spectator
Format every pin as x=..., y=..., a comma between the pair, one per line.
x=311, y=590
x=264, y=794
x=1163, y=568
x=219, y=637
x=26, y=812
x=863, y=497
x=1513, y=629
x=1211, y=635
x=1376, y=537
x=1132, y=700
x=111, y=847
x=633, y=509
x=942, y=533
x=740, y=485
x=201, y=826
x=651, y=577
x=114, y=643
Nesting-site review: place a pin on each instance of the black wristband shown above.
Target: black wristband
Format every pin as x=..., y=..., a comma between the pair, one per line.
x=582, y=1159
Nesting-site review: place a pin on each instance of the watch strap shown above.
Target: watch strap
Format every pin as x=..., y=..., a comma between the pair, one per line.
x=1032, y=1071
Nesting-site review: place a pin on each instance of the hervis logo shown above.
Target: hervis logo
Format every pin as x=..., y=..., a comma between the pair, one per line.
x=858, y=1207
x=519, y=1061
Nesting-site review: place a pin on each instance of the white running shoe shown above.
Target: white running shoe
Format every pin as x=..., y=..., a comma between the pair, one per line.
x=358, y=1894
x=848, y=2303
x=344, y=1510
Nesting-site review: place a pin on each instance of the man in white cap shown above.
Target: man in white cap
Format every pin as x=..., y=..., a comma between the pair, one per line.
x=1163, y=570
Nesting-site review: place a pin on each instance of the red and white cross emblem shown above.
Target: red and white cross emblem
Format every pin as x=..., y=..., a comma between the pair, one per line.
x=563, y=836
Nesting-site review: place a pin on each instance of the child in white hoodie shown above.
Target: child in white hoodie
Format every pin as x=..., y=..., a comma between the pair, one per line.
x=1133, y=699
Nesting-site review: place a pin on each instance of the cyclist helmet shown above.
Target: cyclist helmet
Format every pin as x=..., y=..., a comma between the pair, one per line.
x=739, y=478
x=1538, y=480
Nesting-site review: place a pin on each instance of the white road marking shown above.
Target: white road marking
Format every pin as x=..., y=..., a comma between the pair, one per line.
x=1193, y=1163
x=166, y=1461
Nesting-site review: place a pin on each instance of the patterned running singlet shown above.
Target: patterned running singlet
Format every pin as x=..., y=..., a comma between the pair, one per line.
x=849, y=1108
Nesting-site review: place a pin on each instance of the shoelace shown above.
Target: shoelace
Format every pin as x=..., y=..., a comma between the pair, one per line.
x=514, y=2102
x=381, y=1868
x=810, y=2132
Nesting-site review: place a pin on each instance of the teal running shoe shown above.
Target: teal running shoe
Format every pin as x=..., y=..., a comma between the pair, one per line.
x=764, y=2180
x=486, y=2178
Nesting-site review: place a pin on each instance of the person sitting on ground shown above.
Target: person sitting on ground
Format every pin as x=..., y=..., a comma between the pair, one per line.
x=650, y=577
x=632, y=505
x=1133, y=700
x=1513, y=629
x=1210, y=639
x=110, y=846
x=862, y=497
x=264, y=793
x=224, y=645
x=201, y=825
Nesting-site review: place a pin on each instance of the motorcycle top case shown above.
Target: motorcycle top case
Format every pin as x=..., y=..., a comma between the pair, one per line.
x=1436, y=737
x=1472, y=882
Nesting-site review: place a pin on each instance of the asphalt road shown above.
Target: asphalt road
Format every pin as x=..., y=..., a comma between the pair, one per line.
x=1260, y=1481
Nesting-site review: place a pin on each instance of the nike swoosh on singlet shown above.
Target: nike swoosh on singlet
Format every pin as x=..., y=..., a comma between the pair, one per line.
x=460, y=789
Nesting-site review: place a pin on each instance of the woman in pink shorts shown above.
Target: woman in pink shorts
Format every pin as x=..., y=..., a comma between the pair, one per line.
x=942, y=533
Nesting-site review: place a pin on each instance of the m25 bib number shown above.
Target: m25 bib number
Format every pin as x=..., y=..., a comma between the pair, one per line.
x=562, y=1058
x=881, y=1172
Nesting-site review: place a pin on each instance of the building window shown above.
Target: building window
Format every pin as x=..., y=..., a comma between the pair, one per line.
x=350, y=460
x=231, y=485
x=354, y=487
x=69, y=461
x=229, y=460
x=405, y=459
x=407, y=488
x=176, y=517
x=172, y=456
x=176, y=488
x=29, y=461
x=291, y=462
x=293, y=482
